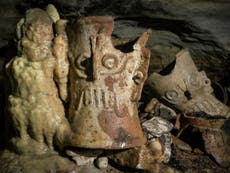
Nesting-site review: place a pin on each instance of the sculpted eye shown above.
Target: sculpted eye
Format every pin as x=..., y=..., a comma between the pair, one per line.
x=194, y=80
x=138, y=77
x=82, y=61
x=109, y=61
x=171, y=95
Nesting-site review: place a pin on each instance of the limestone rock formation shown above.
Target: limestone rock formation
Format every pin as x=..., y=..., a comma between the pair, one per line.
x=34, y=106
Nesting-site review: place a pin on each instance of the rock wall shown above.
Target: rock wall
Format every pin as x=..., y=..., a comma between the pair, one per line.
x=202, y=26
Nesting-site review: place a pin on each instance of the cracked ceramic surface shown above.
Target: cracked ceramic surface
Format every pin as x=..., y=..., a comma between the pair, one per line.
x=187, y=89
x=105, y=85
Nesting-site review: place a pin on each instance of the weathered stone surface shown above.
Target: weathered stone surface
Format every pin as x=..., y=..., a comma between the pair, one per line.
x=189, y=162
x=214, y=134
x=52, y=163
x=217, y=143
x=14, y=163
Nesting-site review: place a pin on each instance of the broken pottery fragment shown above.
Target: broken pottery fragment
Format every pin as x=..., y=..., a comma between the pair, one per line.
x=180, y=144
x=34, y=106
x=215, y=134
x=105, y=85
x=217, y=144
x=187, y=89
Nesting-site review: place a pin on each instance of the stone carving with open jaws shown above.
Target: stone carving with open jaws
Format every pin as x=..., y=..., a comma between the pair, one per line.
x=188, y=89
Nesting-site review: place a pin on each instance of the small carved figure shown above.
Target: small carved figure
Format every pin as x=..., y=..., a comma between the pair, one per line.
x=35, y=109
x=105, y=85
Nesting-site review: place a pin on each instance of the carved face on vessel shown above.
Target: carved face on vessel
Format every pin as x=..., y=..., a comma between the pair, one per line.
x=186, y=88
x=105, y=85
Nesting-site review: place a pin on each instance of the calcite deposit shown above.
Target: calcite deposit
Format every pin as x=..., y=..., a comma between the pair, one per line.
x=34, y=106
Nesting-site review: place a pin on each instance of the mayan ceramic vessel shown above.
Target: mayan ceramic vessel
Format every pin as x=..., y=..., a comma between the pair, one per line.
x=105, y=85
x=188, y=89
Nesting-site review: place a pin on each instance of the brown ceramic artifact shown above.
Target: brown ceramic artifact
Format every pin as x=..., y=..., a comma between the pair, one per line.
x=105, y=85
x=215, y=135
x=187, y=89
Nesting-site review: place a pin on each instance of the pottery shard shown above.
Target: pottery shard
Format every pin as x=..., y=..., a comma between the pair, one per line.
x=217, y=143
x=215, y=134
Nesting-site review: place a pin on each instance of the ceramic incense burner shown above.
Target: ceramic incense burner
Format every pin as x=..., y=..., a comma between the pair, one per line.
x=105, y=85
